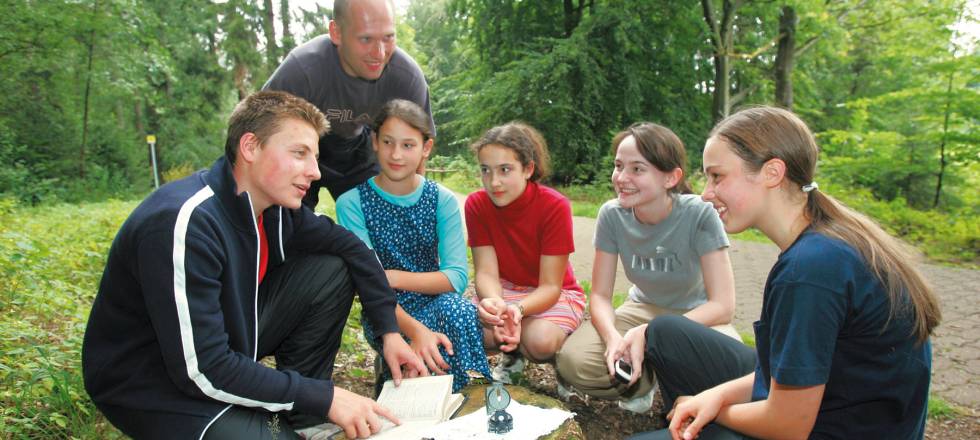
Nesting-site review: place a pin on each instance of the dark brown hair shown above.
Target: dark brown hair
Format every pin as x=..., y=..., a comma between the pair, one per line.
x=526, y=142
x=409, y=112
x=260, y=114
x=659, y=146
x=760, y=134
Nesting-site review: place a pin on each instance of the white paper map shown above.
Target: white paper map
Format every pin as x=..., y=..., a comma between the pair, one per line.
x=530, y=422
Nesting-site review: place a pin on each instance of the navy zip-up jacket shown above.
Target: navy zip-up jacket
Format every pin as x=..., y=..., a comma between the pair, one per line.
x=172, y=338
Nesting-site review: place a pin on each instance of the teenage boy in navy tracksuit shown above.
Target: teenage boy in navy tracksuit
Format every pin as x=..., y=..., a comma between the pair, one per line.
x=215, y=271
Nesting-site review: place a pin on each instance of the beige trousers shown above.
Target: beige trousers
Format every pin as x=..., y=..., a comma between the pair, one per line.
x=581, y=361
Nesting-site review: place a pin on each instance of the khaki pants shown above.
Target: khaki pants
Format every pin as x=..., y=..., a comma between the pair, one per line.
x=581, y=362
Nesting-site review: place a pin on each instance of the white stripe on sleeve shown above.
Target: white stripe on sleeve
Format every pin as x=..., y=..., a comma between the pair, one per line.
x=184, y=315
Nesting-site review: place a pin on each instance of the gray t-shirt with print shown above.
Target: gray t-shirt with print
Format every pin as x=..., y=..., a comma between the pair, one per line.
x=663, y=261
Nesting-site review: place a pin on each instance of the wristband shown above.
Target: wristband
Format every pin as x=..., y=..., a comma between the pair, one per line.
x=520, y=307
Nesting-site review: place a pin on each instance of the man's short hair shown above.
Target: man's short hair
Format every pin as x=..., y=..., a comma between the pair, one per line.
x=260, y=114
x=340, y=8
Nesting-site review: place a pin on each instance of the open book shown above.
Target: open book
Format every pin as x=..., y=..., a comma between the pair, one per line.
x=419, y=403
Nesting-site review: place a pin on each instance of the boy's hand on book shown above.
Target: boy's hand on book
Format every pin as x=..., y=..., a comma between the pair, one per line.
x=426, y=344
x=357, y=415
x=400, y=357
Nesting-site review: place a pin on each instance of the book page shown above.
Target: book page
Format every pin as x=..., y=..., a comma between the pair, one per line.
x=455, y=401
x=421, y=398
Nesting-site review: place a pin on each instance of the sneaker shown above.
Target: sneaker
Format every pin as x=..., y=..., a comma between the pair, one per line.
x=508, y=366
x=323, y=431
x=639, y=405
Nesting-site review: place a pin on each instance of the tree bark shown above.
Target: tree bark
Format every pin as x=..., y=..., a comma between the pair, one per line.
x=785, y=58
x=241, y=75
x=573, y=14
x=288, y=43
x=942, y=144
x=269, y=29
x=722, y=39
x=138, y=116
x=90, y=46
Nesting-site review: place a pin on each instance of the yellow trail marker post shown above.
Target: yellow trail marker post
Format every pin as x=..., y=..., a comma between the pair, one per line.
x=152, y=141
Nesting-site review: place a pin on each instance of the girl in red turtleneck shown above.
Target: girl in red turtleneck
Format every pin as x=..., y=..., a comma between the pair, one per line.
x=521, y=235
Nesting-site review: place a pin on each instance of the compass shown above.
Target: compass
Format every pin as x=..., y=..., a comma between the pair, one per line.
x=500, y=422
x=497, y=398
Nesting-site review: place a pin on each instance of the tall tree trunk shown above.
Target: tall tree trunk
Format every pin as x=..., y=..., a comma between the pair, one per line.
x=288, y=43
x=138, y=116
x=90, y=46
x=942, y=144
x=785, y=58
x=572, y=15
x=241, y=79
x=722, y=40
x=269, y=29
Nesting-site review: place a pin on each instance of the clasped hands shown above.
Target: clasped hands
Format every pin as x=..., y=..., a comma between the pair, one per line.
x=504, y=320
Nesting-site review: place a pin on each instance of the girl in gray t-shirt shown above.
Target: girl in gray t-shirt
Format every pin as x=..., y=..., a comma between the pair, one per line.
x=673, y=248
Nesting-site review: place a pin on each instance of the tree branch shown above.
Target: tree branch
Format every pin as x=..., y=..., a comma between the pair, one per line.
x=759, y=51
x=807, y=45
x=740, y=96
x=709, y=17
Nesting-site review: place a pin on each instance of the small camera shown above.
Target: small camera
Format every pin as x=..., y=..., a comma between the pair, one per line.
x=623, y=371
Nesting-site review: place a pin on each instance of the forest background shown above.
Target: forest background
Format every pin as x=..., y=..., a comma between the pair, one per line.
x=890, y=87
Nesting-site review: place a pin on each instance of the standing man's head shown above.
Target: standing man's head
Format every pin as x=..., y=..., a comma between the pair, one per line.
x=364, y=32
x=273, y=142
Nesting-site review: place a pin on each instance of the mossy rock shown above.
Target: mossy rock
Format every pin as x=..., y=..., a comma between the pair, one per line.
x=476, y=400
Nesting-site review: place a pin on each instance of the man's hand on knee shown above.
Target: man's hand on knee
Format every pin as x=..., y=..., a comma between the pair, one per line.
x=357, y=415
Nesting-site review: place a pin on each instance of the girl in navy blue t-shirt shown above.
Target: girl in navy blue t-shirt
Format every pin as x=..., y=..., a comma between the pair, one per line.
x=842, y=343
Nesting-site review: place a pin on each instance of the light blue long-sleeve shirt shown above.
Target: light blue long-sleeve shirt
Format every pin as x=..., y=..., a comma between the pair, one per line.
x=449, y=226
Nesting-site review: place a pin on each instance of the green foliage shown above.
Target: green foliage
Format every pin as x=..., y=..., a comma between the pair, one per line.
x=461, y=175
x=748, y=338
x=56, y=254
x=587, y=199
x=951, y=236
x=939, y=409
x=618, y=299
x=178, y=172
x=621, y=62
x=54, y=257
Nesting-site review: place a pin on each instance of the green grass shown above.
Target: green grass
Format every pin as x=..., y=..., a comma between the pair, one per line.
x=53, y=260
x=951, y=238
x=55, y=255
x=587, y=199
x=748, y=338
x=940, y=409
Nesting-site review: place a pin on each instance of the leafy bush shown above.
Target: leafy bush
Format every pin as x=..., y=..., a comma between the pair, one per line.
x=177, y=172
x=952, y=237
x=949, y=237
x=464, y=175
x=47, y=284
x=587, y=199
x=56, y=254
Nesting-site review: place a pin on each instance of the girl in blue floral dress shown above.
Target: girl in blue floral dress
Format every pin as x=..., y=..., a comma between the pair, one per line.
x=414, y=226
